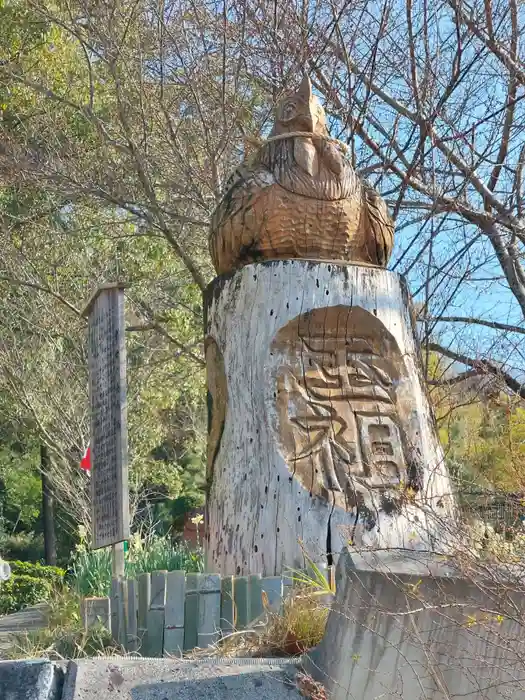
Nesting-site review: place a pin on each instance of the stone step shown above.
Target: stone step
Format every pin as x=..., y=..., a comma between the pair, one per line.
x=167, y=679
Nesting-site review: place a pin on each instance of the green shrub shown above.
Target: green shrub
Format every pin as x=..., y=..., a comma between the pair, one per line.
x=21, y=590
x=53, y=574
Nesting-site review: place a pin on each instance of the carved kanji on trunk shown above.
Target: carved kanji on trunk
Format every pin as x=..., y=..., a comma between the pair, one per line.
x=341, y=428
x=320, y=430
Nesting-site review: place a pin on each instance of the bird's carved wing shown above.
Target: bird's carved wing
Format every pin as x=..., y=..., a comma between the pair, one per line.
x=380, y=223
x=242, y=188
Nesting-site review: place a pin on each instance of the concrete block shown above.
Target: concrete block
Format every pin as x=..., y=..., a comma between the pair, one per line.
x=274, y=589
x=208, y=630
x=118, y=611
x=132, y=616
x=161, y=679
x=30, y=680
x=406, y=625
x=255, y=597
x=144, y=595
x=191, y=611
x=95, y=611
x=241, y=598
x=155, y=614
x=174, y=612
x=227, y=604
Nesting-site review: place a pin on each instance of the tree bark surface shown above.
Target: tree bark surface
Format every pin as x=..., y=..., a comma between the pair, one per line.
x=320, y=431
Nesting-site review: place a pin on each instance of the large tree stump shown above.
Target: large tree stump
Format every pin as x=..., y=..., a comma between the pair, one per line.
x=320, y=430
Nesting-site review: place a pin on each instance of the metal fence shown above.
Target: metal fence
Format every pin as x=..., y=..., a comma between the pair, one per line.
x=167, y=613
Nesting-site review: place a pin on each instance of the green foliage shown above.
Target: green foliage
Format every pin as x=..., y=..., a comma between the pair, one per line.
x=168, y=514
x=485, y=444
x=58, y=242
x=70, y=247
x=53, y=574
x=21, y=485
x=161, y=554
x=25, y=546
x=313, y=579
x=20, y=591
x=91, y=569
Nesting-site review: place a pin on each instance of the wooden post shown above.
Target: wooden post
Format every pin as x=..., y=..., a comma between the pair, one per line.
x=119, y=595
x=117, y=560
x=320, y=430
x=109, y=438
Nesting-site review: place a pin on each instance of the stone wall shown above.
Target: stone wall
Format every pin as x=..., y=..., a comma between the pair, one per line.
x=408, y=625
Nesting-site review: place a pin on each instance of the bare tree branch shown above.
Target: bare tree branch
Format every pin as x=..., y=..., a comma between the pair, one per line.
x=485, y=366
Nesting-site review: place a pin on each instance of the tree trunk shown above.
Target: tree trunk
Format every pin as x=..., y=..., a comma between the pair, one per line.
x=50, y=550
x=320, y=430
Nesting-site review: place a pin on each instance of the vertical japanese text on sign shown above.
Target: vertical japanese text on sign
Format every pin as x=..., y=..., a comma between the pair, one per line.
x=107, y=390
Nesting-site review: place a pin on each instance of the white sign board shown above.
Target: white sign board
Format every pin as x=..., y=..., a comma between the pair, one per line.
x=5, y=570
x=109, y=441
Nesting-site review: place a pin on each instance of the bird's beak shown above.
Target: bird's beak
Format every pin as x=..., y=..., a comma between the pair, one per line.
x=305, y=88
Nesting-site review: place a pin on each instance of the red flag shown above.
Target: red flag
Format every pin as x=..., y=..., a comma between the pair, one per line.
x=85, y=462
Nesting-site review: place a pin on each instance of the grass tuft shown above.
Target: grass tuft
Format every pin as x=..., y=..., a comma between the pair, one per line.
x=299, y=627
x=64, y=637
x=296, y=628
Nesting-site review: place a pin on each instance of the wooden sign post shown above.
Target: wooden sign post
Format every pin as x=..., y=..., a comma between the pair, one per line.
x=109, y=444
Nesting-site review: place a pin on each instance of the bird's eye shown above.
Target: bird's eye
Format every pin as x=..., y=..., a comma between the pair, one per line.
x=288, y=111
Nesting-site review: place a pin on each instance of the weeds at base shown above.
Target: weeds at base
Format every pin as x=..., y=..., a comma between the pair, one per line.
x=64, y=637
x=299, y=627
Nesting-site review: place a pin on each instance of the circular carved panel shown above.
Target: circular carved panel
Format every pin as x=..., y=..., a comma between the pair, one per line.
x=340, y=423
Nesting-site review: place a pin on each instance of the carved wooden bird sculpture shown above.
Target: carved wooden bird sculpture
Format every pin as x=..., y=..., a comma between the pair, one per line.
x=299, y=197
